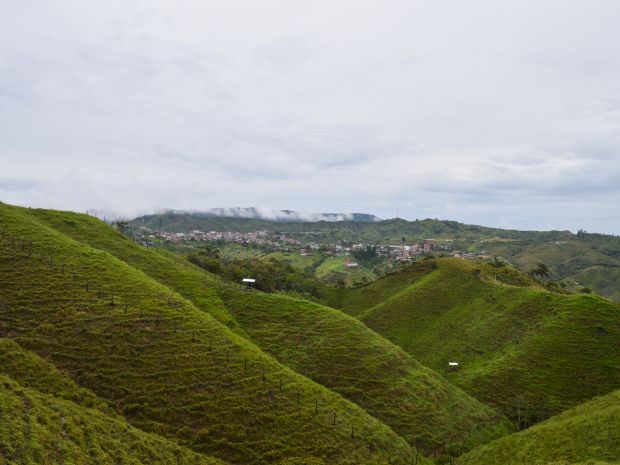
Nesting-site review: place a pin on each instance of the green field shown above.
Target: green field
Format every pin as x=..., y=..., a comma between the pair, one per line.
x=334, y=268
x=295, y=259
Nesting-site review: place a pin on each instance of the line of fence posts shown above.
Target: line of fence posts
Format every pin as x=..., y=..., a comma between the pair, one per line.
x=100, y=294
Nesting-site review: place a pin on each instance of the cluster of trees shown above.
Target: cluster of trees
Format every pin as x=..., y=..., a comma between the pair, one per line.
x=368, y=256
x=271, y=275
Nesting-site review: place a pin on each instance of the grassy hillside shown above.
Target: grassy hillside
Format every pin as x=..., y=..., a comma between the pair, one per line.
x=169, y=366
x=356, y=300
x=164, y=267
x=303, y=262
x=334, y=270
x=592, y=260
x=341, y=353
x=531, y=353
x=588, y=433
x=32, y=371
x=37, y=428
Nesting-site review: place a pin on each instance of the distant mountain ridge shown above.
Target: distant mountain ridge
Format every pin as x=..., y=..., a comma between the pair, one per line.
x=270, y=214
x=585, y=259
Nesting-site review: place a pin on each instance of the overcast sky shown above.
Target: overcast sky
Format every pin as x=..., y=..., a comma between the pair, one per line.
x=503, y=113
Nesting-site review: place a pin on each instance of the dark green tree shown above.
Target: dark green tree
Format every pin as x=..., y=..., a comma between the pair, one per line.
x=542, y=271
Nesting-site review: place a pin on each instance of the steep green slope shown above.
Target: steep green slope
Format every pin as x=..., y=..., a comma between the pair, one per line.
x=354, y=301
x=166, y=268
x=587, y=433
x=32, y=371
x=531, y=353
x=341, y=353
x=170, y=367
x=37, y=428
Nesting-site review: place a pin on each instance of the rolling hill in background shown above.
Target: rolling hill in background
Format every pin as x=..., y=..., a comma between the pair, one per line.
x=106, y=345
x=244, y=214
x=590, y=260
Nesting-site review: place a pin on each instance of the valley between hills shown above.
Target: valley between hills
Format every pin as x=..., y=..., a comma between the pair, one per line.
x=114, y=350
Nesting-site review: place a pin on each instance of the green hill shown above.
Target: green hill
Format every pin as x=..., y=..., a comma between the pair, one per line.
x=431, y=421
x=586, y=260
x=531, y=353
x=38, y=428
x=161, y=266
x=588, y=433
x=46, y=418
x=341, y=353
x=105, y=316
x=29, y=370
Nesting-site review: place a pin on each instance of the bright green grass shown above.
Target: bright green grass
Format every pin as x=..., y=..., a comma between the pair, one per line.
x=333, y=268
x=32, y=371
x=146, y=363
x=293, y=258
x=588, y=433
x=238, y=251
x=354, y=301
x=531, y=353
x=341, y=353
x=37, y=428
x=166, y=268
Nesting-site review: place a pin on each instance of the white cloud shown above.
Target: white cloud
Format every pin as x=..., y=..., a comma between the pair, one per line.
x=489, y=112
